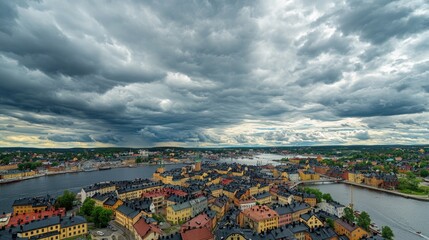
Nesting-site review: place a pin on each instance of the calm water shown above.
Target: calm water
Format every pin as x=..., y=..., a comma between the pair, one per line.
x=262, y=159
x=404, y=216
x=55, y=185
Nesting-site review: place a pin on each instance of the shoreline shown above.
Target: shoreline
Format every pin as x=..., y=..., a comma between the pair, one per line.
x=404, y=195
x=72, y=172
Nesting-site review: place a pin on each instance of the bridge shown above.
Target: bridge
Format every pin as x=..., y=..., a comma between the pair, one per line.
x=330, y=180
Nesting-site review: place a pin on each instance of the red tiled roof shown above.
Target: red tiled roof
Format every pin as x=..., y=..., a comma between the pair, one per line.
x=197, y=234
x=201, y=220
x=28, y=217
x=143, y=228
x=258, y=213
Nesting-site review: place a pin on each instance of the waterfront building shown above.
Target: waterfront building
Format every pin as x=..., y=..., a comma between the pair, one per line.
x=333, y=208
x=102, y=188
x=308, y=175
x=259, y=218
x=32, y=204
x=350, y=230
x=16, y=174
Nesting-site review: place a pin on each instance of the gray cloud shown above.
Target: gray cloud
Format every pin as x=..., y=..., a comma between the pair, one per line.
x=203, y=71
x=379, y=21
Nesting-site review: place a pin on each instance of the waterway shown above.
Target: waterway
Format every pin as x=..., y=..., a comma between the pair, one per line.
x=404, y=216
x=56, y=184
x=260, y=159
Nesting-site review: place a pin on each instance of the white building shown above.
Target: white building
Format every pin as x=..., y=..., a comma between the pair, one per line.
x=333, y=208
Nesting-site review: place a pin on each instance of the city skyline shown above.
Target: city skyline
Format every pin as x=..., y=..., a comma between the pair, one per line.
x=259, y=73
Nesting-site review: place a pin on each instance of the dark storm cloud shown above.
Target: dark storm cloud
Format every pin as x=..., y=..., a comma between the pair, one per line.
x=68, y=138
x=380, y=20
x=132, y=73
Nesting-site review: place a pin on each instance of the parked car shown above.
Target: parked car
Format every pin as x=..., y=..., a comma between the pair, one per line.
x=100, y=233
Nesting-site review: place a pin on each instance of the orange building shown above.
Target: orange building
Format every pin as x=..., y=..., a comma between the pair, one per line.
x=352, y=231
x=259, y=218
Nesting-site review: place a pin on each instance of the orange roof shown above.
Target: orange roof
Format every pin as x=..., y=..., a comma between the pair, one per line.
x=201, y=220
x=28, y=217
x=143, y=228
x=197, y=234
x=259, y=213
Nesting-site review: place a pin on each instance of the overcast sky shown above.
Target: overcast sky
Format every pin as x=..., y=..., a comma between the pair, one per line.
x=221, y=73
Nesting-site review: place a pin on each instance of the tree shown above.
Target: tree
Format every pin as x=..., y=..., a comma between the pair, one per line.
x=349, y=215
x=424, y=173
x=364, y=220
x=387, y=233
x=139, y=160
x=330, y=222
x=101, y=216
x=104, y=217
x=87, y=207
x=66, y=200
x=327, y=197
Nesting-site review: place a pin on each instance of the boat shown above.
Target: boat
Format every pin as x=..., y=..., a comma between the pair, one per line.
x=373, y=227
x=89, y=169
x=104, y=168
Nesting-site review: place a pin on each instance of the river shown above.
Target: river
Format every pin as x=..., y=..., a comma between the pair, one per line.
x=56, y=184
x=403, y=216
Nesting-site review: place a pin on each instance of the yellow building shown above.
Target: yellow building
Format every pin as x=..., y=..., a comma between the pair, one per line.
x=9, y=167
x=352, y=232
x=30, y=205
x=134, y=192
x=355, y=177
x=112, y=203
x=179, y=213
x=263, y=198
x=220, y=206
x=308, y=175
x=16, y=174
x=263, y=188
x=54, y=228
x=127, y=217
x=311, y=220
x=252, y=190
x=259, y=218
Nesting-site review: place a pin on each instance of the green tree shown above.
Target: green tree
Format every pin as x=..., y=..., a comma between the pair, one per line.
x=327, y=197
x=364, y=220
x=87, y=207
x=101, y=216
x=424, y=173
x=330, y=222
x=104, y=217
x=95, y=215
x=139, y=160
x=66, y=200
x=349, y=215
x=387, y=233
